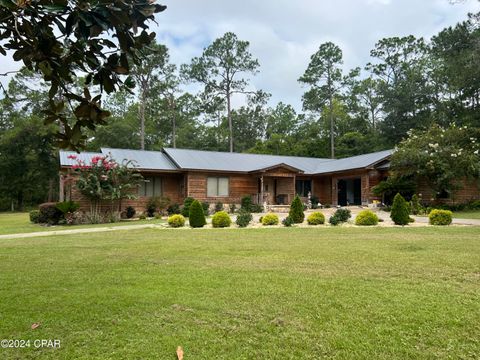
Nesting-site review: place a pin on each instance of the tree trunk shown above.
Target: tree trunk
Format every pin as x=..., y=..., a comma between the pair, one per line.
x=230, y=126
x=174, y=125
x=141, y=115
x=332, y=138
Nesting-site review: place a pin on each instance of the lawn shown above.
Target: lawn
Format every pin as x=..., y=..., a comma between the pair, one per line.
x=467, y=214
x=19, y=222
x=330, y=293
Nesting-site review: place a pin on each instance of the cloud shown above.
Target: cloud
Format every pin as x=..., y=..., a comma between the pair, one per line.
x=283, y=34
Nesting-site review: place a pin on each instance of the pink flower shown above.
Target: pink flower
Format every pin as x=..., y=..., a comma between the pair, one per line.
x=73, y=157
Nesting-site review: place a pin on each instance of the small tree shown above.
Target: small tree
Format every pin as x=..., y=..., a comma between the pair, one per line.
x=196, y=215
x=400, y=213
x=296, y=211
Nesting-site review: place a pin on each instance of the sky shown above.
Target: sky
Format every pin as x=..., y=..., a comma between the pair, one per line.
x=284, y=34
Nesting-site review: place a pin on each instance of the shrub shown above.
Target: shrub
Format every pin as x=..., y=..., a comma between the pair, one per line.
x=256, y=208
x=246, y=203
x=233, y=208
x=316, y=218
x=270, y=219
x=415, y=206
x=334, y=220
x=296, y=211
x=158, y=216
x=288, y=221
x=366, y=218
x=130, y=212
x=49, y=213
x=218, y=207
x=152, y=205
x=142, y=217
x=206, y=208
x=474, y=205
x=34, y=216
x=400, y=213
x=243, y=218
x=176, y=221
x=221, y=220
x=440, y=217
x=186, y=206
x=173, y=209
x=68, y=206
x=315, y=201
x=343, y=214
x=196, y=215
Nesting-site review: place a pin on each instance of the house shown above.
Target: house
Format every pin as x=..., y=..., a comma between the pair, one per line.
x=227, y=177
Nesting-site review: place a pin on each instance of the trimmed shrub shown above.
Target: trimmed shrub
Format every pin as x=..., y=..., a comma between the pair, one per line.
x=34, y=216
x=173, y=209
x=142, y=217
x=400, y=213
x=49, y=213
x=176, y=221
x=243, y=218
x=415, y=206
x=206, y=208
x=196, y=215
x=270, y=219
x=218, y=207
x=296, y=211
x=186, y=206
x=440, y=217
x=366, y=218
x=152, y=205
x=246, y=203
x=130, y=212
x=221, y=220
x=288, y=221
x=315, y=201
x=316, y=218
x=343, y=214
x=256, y=208
x=334, y=220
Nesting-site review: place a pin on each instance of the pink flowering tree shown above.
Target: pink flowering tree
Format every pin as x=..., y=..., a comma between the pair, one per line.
x=104, y=180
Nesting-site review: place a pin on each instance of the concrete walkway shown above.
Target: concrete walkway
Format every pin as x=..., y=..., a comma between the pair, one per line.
x=81, y=231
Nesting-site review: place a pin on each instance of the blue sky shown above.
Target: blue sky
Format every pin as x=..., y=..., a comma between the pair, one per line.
x=283, y=34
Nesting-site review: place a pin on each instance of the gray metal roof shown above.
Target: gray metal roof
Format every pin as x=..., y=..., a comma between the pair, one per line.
x=236, y=162
x=354, y=162
x=143, y=159
x=84, y=156
x=184, y=159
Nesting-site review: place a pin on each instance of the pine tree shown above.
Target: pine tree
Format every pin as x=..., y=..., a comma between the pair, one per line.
x=197, y=216
x=296, y=211
x=400, y=213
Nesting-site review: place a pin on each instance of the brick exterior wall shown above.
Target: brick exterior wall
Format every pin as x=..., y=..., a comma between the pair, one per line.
x=470, y=191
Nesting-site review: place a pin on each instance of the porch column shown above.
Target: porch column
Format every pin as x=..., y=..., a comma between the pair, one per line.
x=261, y=193
x=61, y=190
x=293, y=192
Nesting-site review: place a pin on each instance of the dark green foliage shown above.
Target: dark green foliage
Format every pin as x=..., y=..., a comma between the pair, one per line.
x=34, y=216
x=77, y=37
x=366, y=218
x=186, y=206
x=49, y=214
x=387, y=189
x=288, y=221
x=130, y=212
x=218, y=207
x=232, y=208
x=196, y=215
x=173, y=209
x=206, y=208
x=152, y=205
x=343, y=214
x=296, y=211
x=440, y=217
x=243, y=218
x=221, y=220
x=246, y=203
x=400, y=213
x=315, y=202
x=68, y=206
x=142, y=217
x=334, y=220
x=256, y=208
x=316, y=218
x=415, y=206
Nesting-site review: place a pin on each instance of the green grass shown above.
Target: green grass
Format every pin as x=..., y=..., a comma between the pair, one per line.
x=311, y=293
x=15, y=223
x=467, y=214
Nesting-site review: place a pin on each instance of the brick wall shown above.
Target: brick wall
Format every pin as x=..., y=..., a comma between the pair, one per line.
x=470, y=191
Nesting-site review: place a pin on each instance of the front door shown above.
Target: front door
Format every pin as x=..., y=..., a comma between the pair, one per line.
x=342, y=192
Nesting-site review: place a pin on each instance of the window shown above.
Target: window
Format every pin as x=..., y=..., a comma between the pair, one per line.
x=217, y=186
x=151, y=186
x=303, y=187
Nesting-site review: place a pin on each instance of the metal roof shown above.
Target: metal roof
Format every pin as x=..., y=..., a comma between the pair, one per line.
x=84, y=156
x=236, y=162
x=143, y=159
x=354, y=162
x=184, y=159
